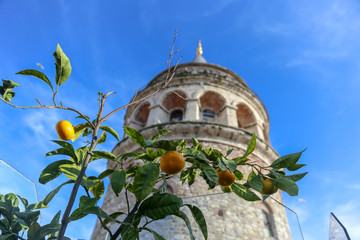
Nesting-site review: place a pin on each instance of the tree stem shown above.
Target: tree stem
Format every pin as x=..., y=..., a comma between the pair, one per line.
x=65, y=219
x=126, y=220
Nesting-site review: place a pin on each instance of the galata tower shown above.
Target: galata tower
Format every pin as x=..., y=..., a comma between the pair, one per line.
x=216, y=106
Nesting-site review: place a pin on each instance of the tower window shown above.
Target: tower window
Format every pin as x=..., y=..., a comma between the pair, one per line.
x=176, y=115
x=268, y=230
x=208, y=115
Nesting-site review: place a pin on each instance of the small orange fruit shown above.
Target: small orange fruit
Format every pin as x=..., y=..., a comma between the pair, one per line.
x=65, y=130
x=268, y=187
x=226, y=178
x=172, y=162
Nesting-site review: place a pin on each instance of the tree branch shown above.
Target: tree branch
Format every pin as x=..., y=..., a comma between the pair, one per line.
x=126, y=220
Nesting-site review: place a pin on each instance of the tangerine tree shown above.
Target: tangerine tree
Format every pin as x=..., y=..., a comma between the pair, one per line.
x=162, y=160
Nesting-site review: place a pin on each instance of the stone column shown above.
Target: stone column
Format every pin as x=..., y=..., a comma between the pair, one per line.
x=192, y=110
x=228, y=116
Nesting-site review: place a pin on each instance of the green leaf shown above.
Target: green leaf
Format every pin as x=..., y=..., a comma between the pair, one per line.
x=160, y=134
x=211, y=176
x=64, y=144
x=86, y=202
x=159, y=206
x=256, y=183
x=222, y=164
x=62, y=66
x=164, y=144
x=244, y=192
x=251, y=175
x=78, y=130
x=296, y=177
x=9, y=84
x=111, y=131
x=105, y=173
x=229, y=151
x=193, y=173
x=287, y=160
x=47, y=229
x=134, y=135
x=182, y=215
x=37, y=74
x=145, y=180
x=117, y=181
x=231, y=164
x=98, y=191
x=125, y=156
x=56, y=218
x=105, y=155
x=296, y=166
x=62, y=151
x=81, y=154
x=52, y=194
x=76, y=215
x=24, y=201
x=199, y=218
x=251, y=146
x=194, y=153
x=97, y=211
x=28, y=217
x=155, y=234
x=52, y=171
x=184, y=175
x=113, y=216
x=102, y=138
x=70, y=170
x=7, y=236
x=286, y=185
x=238, y=175
x=32, y=231
x=8, y=96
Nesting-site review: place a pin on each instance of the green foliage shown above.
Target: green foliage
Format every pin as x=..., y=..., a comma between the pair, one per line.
x=15, y=223
x=118, y=179
x=62, y=66
x=37, y=74
x=6, y=89
x=145, y=180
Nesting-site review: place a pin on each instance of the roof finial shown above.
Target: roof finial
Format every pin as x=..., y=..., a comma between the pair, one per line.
x=199, y=50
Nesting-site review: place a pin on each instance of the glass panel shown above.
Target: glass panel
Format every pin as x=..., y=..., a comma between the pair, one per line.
x=12, y=181
x=176, y=115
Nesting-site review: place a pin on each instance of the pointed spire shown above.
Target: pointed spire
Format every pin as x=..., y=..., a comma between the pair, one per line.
x=199, y=50
x=199, y=58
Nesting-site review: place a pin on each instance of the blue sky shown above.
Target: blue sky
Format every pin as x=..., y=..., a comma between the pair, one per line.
x=300, y=57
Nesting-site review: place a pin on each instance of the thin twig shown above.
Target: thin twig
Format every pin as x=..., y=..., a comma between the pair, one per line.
x=127, y=200
x=170, y=74
x=126, y=220
x=51, y=106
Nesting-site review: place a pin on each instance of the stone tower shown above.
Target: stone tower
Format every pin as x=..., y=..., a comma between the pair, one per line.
x=216, y=106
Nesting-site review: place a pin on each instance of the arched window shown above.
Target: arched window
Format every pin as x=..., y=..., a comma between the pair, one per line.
x=208, y=115
x=268, y=230
x=176, y=115
x=143, y=113
x=269, y=222
x=244, y=115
